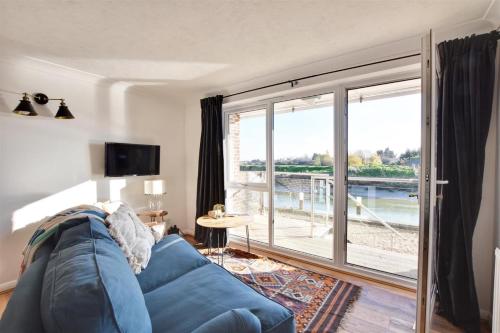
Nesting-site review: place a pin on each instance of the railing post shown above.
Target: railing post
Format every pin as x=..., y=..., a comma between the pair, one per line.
x=301, y=200
x=261, y=202
x=312, y=206
x=327, y=185
x=359, y=203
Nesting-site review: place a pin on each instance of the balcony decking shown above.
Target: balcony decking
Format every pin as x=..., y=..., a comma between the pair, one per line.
x=295, y=234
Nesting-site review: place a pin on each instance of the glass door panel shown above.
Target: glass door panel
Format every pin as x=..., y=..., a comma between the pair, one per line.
x=247, y=146
x=382, y=177
x=303, y=174
x=254, y=203
x=246, y=151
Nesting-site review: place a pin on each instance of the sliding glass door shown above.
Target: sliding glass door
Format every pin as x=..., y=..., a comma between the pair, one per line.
x=331, y=175
x=303, y=174
x=383, y=145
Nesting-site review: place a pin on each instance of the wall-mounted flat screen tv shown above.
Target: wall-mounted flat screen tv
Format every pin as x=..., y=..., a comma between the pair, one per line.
x=125, y=159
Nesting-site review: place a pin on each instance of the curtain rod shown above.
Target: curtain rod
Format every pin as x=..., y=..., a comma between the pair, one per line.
x=294, y=82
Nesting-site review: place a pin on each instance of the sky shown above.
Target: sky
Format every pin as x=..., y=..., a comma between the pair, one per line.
x=372, y=125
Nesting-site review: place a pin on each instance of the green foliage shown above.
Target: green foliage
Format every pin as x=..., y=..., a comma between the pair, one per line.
x=385, y=171
x=375, y=160
x=326, y=160
x=291, y=168
x=409, y=153
x=386, y=153
x=316, y=160
x=322, y=159
x=354, y=160
x=370, y=170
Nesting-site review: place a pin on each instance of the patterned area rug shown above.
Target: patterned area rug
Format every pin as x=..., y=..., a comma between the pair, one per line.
x=318, y=301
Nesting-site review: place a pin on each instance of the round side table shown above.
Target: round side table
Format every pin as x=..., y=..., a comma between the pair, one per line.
x=228, y=221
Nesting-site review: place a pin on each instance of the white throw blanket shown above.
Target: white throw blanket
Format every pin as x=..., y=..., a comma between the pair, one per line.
x=133, y=236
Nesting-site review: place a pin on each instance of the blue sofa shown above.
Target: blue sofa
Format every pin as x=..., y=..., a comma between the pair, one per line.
x=80, y=281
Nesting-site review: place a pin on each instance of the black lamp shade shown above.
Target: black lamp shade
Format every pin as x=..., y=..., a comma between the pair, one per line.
x=63, y=112
x=25, y=108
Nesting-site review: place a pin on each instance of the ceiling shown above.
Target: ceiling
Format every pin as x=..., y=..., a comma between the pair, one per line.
x=207, y=44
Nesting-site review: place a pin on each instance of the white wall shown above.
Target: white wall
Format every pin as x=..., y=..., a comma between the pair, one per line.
x=192, y=146
x=47, y=165
x=484, y=235
x=493, y=15
x=496, y=106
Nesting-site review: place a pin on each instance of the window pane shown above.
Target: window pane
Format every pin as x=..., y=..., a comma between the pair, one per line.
x=383, y=170
x=253, y=203
x=303, y=159
x=247, y=146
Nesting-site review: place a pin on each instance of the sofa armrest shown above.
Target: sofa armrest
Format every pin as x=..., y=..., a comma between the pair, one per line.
x=236, y=320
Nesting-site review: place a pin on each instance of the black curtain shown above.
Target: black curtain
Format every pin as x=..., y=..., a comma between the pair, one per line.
x=466, y=83
x=210, y=190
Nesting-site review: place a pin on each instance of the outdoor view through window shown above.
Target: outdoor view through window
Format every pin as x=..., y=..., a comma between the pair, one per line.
x=383, y=157
x=383, y=170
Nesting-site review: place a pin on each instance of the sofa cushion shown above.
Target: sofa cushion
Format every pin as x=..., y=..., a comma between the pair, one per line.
x=88, y=285
x=205, y=293
x=237, y=320
x=77, y=230
x=170, y=258
x=25, y=301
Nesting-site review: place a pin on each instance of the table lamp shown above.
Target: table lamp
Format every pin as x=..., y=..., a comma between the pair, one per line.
x=154, y=190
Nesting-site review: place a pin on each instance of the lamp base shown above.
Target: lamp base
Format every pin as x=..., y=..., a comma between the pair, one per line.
x=155, y=201
x=40, y=98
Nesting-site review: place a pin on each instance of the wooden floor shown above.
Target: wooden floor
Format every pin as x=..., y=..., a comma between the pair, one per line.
x=4, y=299
x=379, y=308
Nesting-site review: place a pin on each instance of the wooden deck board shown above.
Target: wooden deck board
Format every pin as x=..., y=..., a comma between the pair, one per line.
x=296, y=235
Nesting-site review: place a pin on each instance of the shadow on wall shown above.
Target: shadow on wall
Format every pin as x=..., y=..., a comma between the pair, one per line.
x=34, y=212
x=26, y=219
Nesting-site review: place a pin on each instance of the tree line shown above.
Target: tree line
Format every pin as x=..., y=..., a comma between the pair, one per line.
x=382, y=163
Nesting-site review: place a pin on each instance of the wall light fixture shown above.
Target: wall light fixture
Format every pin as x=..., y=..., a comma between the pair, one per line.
x=25, y=108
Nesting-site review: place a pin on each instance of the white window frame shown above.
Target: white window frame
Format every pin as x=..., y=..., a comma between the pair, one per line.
x=339, y=88
x=342, y=250
x=228, y=181
x=258, y=187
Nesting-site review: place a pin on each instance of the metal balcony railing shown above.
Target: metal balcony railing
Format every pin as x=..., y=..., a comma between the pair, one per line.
x=322, y=184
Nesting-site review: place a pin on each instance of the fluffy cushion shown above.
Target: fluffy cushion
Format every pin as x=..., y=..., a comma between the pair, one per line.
x=89, y=287
x=133, y=236
x=109, y=206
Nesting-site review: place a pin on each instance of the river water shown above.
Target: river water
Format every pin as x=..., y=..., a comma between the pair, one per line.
x=394, y=206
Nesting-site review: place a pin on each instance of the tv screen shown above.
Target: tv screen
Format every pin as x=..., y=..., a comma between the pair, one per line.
x=124, y=159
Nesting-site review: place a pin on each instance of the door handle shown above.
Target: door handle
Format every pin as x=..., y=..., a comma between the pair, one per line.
x=441, y=182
